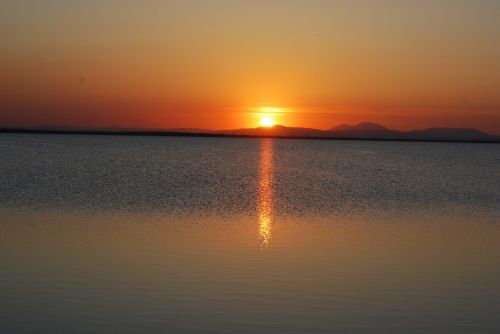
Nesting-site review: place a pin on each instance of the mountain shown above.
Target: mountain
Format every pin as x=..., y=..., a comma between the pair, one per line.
x=449, y=134
x=369, y=131
x=366, y=126
x=364, y=131
x=275, y=131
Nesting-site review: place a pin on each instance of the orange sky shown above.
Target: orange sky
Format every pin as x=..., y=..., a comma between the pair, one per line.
x=215, y=64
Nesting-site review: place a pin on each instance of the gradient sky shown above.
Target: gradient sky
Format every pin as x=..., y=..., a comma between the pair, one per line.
x=216, y=63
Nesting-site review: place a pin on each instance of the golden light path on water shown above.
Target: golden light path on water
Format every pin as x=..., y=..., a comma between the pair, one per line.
x=265, y=200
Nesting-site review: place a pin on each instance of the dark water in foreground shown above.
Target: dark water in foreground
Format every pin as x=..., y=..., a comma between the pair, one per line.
x=213, y=235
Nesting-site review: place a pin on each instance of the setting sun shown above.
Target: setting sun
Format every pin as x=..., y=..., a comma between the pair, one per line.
x=267, y=122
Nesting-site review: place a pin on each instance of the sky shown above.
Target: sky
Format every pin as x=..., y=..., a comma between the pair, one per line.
x=224, y=64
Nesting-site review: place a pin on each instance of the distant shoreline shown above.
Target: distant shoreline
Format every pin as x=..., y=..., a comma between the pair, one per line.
x=218, y=135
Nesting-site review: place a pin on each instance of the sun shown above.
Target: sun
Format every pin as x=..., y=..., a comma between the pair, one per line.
x=267, y=122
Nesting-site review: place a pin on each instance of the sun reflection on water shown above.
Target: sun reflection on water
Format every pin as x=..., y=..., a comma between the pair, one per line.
x=265, y=201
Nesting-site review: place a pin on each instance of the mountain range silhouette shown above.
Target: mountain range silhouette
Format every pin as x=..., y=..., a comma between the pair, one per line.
x=362, y=131
x=368, y=130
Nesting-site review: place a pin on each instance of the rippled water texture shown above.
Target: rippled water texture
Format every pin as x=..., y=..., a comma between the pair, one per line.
x=103, y=234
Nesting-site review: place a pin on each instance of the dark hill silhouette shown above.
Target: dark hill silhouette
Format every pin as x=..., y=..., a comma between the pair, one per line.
x=365, y=126
x=449, y=134
x=368, y=131
x=275, y=131
x=364, y=130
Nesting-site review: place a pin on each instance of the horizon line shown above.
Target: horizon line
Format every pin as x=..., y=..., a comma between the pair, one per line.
x=177, y=129
x=491, y=140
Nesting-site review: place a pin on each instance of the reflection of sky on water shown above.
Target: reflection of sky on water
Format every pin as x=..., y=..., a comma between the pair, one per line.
x=159, y=235
x=265, y=199
x=223, y=176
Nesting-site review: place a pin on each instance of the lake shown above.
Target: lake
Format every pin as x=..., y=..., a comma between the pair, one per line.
x=117, y=234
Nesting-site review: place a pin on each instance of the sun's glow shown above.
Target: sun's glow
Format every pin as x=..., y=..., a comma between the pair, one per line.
x=267, y=122
x=271, y=110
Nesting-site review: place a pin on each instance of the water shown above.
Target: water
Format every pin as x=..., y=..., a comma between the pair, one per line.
x=209, y=235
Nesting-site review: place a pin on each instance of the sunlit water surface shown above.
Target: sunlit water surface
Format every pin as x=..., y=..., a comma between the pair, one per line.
x=209, y=235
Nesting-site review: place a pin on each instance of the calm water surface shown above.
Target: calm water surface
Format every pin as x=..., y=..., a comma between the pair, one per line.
x=210, y=235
